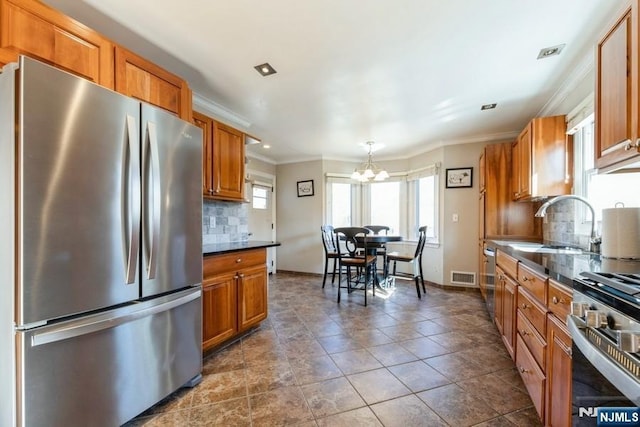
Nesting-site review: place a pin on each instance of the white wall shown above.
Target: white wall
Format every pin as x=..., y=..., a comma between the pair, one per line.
x=299, y=218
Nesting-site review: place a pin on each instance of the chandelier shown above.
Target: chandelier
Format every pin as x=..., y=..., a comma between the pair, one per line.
x=369, y=169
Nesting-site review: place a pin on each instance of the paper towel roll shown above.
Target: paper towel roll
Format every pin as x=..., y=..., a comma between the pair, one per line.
x=621, y=233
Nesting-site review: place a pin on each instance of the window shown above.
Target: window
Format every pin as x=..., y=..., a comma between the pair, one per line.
x=260, y=197
x=340, y=202
x=384, y=205
x=605, y=190
x=404, y=203
x=426, y=206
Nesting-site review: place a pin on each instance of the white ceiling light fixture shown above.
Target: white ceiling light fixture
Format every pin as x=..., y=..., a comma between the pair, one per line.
x=369, y=169
x=265, y=69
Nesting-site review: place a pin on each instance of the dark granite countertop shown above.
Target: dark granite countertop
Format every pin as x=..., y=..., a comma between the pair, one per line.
x=219, y=248
x=564, y=267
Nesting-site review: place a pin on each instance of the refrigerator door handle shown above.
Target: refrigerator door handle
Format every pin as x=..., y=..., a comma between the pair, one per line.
x=131, y=200
x=154, y=208
x=108, y=320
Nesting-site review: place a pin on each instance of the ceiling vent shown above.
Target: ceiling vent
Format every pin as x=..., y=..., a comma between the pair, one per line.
x=488, y=107
x=550, y=51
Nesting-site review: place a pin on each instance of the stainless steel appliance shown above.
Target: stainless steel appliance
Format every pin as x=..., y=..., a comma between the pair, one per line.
x=605, y=328
x=489, y=255
x=101, y=251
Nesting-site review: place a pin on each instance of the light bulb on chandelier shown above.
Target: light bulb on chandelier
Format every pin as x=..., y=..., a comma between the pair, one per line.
x=369, y=170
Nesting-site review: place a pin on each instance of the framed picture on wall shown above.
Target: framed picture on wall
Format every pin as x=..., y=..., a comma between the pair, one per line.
x=459, y=177
x=305, y=188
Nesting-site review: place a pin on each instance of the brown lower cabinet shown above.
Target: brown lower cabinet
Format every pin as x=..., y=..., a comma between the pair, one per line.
x=530, y=313
x=234, y=294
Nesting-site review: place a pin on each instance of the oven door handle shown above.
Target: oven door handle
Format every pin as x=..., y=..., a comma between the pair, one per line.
x=625, y=383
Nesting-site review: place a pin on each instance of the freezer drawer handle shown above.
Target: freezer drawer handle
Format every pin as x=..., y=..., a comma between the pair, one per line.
x=76, y=330
x=131, y=201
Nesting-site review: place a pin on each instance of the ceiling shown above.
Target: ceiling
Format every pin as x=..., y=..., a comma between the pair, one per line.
x=410, y=75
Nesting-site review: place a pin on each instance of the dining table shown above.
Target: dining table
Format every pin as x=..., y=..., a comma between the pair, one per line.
x=374, y=242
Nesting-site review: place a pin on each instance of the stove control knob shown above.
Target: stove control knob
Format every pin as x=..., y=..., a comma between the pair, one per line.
x=629, y=341
x=595, y=319
x=578, y=308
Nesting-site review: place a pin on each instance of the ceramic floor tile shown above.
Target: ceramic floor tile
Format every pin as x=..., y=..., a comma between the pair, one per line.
x=391, y=354
x=284, y=406
x=418, y=376
x=456, y=367
x=338, y=343
x=378, y=385
x=362, y=417
x=219, y=387
x=269, y=376
x=354, y=361
x=390, y=363
x=331, y=397
x=424, y=347
x=314, y=369
x=496, y=393
x=229, y=413
x=406, y=411
x=457, y=407
x=525, y=417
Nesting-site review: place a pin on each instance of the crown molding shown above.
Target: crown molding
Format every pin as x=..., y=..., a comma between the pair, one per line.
x=219, y=111
x=577, y=75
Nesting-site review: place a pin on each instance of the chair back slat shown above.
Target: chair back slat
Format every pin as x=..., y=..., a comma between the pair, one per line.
x=328, y=239
x=422, y=239
x=377, y=229
x=347, y=236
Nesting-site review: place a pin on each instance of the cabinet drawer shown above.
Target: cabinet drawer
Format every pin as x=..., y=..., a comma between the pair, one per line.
x=534, y=312
x=508, y=263
x=233, y=261
x=532, y=376
x=536, y=283
x=559, y=299
x=535, y=343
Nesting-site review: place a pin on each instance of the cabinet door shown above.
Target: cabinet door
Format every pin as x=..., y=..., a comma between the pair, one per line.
x=524, y=162
x=206, y=124
x=558, y=393
x=616, y=106
x=228, y=163
x=515, y=169
x=36, y=30
x=252, y=296
x=143, y=80
x=219, y=309
x=509, y=301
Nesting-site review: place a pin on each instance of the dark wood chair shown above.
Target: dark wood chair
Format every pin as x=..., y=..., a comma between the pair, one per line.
x=330, y=252
x=348, y=258
x=382, y=248
x=415, y=260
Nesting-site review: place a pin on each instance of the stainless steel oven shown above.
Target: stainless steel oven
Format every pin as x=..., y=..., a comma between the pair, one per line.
x=604, y=325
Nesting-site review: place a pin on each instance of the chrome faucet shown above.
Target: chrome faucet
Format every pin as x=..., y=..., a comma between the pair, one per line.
x=594, y=241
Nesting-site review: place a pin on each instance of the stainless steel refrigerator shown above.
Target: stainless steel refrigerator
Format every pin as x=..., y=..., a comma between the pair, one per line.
x=100, y=251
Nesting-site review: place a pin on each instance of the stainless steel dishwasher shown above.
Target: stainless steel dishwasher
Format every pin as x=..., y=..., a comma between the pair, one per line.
x=489, y=253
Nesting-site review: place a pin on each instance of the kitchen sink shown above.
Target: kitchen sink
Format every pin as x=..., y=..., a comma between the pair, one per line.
x=545, y=249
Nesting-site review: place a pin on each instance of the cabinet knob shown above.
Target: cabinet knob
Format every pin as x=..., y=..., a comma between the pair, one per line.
x=524, y=306
x=555, y=300
x=525, y=333
x=525, y=279
x=241, y=275
x=522, y=370
x=239, y=260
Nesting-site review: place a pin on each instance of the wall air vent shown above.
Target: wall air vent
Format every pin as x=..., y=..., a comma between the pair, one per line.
x=463, y=278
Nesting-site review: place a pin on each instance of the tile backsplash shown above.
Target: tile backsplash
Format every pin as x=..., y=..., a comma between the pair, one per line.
x=560, y=226
x=224, y=222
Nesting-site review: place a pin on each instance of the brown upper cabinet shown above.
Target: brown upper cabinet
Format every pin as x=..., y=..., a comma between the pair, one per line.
x=223, y=149
x=617, y=96
x=542, y=159
x=31, y=28
x=500, y=216
x=143, y=80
